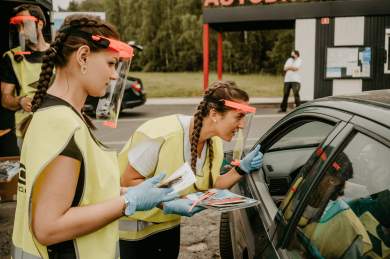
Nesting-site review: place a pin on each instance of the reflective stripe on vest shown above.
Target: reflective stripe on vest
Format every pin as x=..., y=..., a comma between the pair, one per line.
x=171, y=157
x=18, y=253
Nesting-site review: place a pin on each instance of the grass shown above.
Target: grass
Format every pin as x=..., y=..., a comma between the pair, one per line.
x=190, y=84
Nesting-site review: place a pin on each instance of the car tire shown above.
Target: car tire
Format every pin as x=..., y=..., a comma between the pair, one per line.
x=225, y=240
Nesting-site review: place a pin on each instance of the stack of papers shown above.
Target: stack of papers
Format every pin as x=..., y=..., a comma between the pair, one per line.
x=222, y=200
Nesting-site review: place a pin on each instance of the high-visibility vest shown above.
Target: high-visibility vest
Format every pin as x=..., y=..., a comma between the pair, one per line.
x=171, y=156
x=337, y=229
x=371, y=224
x=48, y=134
x=27, y=74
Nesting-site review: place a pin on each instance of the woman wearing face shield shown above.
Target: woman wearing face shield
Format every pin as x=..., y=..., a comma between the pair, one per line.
x=21, y=65
x=164, y=144
x=68, y=193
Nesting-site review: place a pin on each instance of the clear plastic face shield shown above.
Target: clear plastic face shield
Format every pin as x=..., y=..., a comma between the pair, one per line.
x=241, y=136
x=23, y=33
x=109, y=105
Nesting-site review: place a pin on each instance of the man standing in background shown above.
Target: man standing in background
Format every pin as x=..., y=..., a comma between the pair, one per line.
x=292, y=80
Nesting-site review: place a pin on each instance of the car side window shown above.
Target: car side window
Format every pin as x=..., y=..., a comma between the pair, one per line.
x=308, y=134
x=348, y=213
x=287, y=156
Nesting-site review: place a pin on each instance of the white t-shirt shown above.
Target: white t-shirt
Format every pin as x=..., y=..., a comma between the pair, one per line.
x=144, y=156
x=293, y=76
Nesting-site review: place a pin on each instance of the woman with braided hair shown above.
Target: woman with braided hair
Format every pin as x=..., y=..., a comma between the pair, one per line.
x=69, y=197
x=163, y=145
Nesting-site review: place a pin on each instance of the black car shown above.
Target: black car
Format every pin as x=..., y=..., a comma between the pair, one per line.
x=133, y=96
x=324, y=187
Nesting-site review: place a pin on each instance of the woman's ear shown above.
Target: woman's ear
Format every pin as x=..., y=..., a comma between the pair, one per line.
x=82, y=55
x=213, y=114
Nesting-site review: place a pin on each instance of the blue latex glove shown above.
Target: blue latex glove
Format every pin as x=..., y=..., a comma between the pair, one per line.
x=252, y=161
x=146, y=196
x=181, y=207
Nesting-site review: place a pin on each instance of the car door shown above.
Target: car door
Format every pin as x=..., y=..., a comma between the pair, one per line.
x=287, y=147
x=343, y=207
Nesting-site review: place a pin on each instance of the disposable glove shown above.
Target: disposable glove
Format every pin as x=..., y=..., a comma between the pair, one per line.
x=181, y=207
x=146, y=196
x=252, y=161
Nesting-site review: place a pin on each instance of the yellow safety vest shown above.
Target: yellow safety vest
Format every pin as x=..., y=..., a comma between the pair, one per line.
x=171, y=157
x=370, y=223
x=27, y=74
x=48, y=134
x=341, y=226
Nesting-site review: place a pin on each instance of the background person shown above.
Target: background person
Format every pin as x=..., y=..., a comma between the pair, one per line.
x=68, y=193
x=21, y=65
x=164, y=144
x=292, y=80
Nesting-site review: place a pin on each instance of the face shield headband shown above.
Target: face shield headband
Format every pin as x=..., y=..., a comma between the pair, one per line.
x=241, y=107
x=23, y=33
x=124, y=50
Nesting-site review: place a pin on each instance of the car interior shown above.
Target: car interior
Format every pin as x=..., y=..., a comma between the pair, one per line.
x=286, y=156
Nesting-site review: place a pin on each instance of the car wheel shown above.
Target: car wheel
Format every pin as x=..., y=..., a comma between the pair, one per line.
x=225, y=240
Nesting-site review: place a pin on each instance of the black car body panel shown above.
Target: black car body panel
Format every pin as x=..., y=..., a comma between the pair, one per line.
x=299, y=152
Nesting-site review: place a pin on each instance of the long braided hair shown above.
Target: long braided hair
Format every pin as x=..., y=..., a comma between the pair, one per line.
x=62, y=47
x=213, y=99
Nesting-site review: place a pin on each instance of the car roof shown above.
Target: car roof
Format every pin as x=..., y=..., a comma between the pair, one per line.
x=373, y=105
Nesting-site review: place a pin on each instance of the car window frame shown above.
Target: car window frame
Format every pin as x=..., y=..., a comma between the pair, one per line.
x=357, y=125
x=333, y=146
x=338, y=118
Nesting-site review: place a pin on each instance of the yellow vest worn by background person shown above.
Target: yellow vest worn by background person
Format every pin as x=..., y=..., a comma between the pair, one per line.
x=171, y=156
x=27, y=74
x=371, y=224
x=48, y=134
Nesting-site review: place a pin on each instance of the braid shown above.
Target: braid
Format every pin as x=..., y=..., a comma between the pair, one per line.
x=49, y=60
x=198, y=123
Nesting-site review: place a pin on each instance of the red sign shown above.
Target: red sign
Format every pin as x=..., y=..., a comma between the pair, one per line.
x=207, y=3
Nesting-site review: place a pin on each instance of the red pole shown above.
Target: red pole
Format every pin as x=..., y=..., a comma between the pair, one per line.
x=205, y=56
x=219, y=56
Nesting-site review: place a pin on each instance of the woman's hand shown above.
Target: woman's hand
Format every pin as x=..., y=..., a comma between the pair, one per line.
x=146, y=196
x=181, y=207
x=252, y=161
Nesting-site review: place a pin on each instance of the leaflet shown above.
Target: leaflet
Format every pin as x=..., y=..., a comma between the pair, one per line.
x=181, y=179
x=222, y=200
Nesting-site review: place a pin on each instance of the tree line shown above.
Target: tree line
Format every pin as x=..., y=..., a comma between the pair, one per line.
x=171, y=33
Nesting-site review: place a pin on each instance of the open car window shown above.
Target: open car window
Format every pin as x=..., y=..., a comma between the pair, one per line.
x=287, y=155
x=347, y=214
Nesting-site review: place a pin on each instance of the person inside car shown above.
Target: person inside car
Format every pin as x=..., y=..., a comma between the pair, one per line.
x=326, y=215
